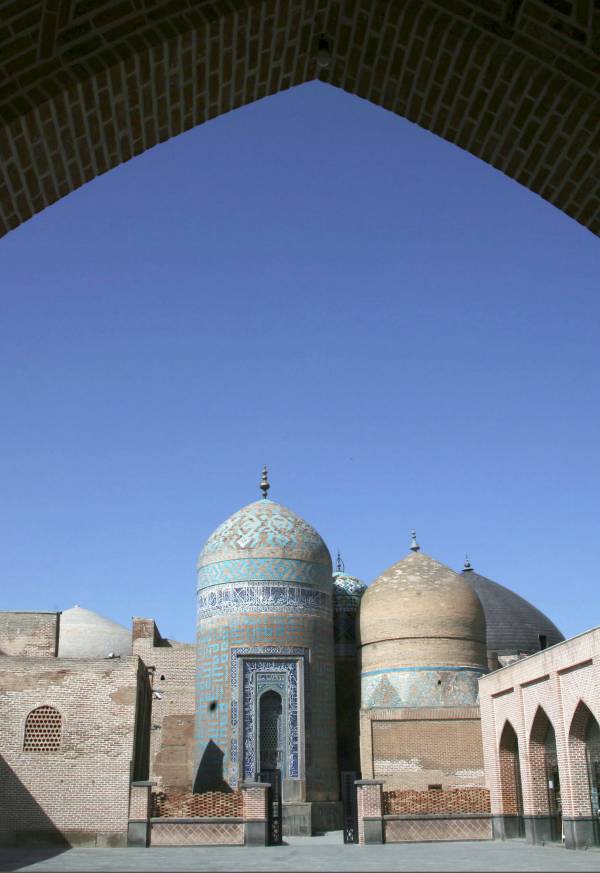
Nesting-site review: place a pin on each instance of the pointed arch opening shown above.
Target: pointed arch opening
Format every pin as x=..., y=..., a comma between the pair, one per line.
x=271, y=745
x=584, y=755
x=510, y=782
x=545, y=775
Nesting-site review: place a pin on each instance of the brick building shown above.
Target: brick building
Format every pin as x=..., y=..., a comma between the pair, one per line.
x=74, y=736
x=300, y=675
x=541, y=742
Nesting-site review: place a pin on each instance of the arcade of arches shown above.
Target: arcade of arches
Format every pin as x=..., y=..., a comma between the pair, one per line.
x=541, y=729
x=89, y=85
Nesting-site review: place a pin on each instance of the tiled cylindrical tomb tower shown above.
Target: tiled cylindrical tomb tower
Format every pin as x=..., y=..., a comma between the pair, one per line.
x=265, y=674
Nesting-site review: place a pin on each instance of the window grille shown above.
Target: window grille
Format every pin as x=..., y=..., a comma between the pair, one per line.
x=43, y=728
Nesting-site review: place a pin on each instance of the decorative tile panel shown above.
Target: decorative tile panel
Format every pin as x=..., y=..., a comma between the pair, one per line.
x=240, y=598
x=420, y=686
x=272, y=666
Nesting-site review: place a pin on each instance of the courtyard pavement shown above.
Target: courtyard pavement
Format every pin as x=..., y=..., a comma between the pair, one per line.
x=308, y=854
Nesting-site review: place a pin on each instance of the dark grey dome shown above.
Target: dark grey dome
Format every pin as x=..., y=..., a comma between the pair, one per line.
x=513, y=624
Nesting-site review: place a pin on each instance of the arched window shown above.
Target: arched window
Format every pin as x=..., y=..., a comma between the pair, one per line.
x=271, y=731
x=510, y=777
x=43, y=729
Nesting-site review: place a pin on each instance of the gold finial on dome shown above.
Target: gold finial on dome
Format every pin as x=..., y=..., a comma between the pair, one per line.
x=339, y=563
x=264, y=482
x=414, y=546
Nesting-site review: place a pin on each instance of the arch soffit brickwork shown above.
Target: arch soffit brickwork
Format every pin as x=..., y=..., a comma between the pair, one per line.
x=507, y=733
x=89, y=85
x=577, y=721
x=536, y=730
x=540, y=696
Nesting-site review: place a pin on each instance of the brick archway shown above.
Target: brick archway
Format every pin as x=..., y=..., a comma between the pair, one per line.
x=510, y=772
x=88, y=84
x=543, y=767
x=584, y=759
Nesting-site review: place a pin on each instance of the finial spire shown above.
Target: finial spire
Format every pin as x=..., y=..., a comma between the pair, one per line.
x=264, y=482
x=467, y=565
x=414, y=546
x=339, y=563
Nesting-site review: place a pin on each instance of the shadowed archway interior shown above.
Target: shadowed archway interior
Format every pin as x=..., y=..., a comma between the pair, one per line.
x=510, y=777
x=584, y=754
x=87, y=86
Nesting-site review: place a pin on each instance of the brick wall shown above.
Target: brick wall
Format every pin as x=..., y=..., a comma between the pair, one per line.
x=173, y=666
x=29, y=634
x=86, y=86
x=459, y=801
x=559, y=686
x=80, y=791
x=415, y=748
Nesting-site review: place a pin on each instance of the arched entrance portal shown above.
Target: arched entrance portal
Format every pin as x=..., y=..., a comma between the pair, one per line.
x=584, y=753
x=87, y=86
x=510, y=782
x=545, y=820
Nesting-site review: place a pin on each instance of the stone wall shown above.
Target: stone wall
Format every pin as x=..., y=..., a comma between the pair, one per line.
x=559, y=686
x=173, y=666
x=29, y=634
x=67, y=749
x=417, y=748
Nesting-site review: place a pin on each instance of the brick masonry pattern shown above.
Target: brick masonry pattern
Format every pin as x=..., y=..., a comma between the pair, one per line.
x=561, y=685
x=417, y=747
x=453, y=800
x=196, y=834
x=29, y=634
x=88, y=85
x=173, y=667
x=431, y=830
x=210, y=804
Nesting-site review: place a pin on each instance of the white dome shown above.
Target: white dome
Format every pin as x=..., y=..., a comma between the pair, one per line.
x=86, y=634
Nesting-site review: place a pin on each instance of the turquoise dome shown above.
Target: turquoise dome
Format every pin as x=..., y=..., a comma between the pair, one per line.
x=265, y=542
x=347, y=591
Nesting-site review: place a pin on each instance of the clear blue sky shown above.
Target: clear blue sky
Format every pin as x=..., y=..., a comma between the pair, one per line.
x=406, y=336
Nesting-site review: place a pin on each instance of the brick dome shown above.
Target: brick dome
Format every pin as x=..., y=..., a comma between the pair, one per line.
x=419, y=598
x=422, y=636
x=514, y=625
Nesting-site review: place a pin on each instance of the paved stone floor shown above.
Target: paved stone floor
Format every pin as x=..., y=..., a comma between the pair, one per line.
x=308, y=854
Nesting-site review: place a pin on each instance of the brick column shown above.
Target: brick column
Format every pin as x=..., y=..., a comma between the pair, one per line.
x=254, y=801
x=370, y=811
x=138, y=827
